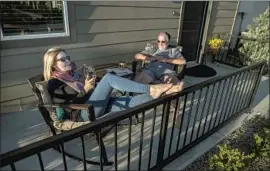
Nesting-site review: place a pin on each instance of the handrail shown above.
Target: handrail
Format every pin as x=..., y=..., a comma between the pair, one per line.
x=32, y=149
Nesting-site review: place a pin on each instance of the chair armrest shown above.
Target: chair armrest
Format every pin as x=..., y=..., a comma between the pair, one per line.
x=87, y=107
x=180, y=73
x=135, y=64
x=70, y=106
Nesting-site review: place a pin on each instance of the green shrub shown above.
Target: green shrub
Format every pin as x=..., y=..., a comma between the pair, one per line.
x=229, y=159
x=262, y=145
x=254, y=51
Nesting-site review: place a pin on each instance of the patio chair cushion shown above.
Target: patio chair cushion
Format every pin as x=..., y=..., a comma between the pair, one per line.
x=66, y=125
x=43, y=88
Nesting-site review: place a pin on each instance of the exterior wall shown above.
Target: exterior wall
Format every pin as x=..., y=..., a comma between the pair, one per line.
x=219, y=21
x=222, y=18
x=101, y=32
x=251, y=10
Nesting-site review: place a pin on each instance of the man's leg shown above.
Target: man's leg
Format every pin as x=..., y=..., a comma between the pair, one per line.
x=144, y=77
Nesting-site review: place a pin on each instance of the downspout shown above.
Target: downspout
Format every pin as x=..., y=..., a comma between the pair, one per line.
x=199, y=47
x=239, y=30
x=180, y=24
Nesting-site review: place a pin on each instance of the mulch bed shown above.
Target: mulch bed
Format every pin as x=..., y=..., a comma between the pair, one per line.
x=242, y=139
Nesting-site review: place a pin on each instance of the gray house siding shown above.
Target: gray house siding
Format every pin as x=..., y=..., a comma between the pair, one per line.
x=222, y=18
x=101, y=32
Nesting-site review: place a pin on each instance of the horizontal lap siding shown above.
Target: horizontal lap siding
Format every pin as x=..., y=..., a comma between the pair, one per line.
x=222, y=18
x=105, y=32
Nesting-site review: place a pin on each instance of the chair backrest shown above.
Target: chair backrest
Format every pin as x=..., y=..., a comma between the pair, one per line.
x=44, y=112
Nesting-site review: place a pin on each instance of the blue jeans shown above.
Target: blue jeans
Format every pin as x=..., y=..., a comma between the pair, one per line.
x=101, y=97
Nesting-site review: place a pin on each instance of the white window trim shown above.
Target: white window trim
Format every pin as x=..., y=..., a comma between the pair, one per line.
x=47, y=35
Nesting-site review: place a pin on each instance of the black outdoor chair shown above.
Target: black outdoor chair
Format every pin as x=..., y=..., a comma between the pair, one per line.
x=43, y=108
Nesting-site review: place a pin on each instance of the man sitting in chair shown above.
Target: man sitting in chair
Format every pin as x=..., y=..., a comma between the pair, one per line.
x=162, y=59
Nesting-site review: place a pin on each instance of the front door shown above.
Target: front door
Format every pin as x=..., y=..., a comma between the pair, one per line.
x=191, y=29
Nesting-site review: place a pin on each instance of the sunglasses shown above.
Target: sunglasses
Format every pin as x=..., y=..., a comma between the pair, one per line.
x=161, y=41
x=63, y=59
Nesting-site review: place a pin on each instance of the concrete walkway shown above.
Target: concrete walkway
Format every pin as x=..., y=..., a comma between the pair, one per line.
x=20, y=129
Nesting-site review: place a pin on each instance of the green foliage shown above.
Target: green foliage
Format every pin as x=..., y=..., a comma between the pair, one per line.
x=229, y=159
x=262, y=145
x=257, y=50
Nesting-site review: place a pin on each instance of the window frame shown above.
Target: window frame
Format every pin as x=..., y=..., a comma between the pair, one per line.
x=47, y=35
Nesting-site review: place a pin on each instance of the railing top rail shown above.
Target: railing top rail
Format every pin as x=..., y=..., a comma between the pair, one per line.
x=34, y=148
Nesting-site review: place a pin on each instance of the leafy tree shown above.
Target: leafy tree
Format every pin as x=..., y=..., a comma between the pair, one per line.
x=256, y=47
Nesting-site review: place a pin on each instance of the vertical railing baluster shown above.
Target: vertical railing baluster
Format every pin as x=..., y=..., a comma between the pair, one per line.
x=152, y=135
x=214, y=106
x=163, y=134
x=195, y=118
x=229, y=99
x=249, y=76
x=174, y=117
x=63, y=155
x=226, y=100
x=141, y=140
x=100, y=148
x=234, y=110
x=40, y=161
x=219, y=103
x=83, y=151
x=257, y=83
x=189, y=116
x=116, y=148
x=129, y=142
x=236, y=93
x=201, y=117
x=12, y=166
x=181, y=124
x=209, y=106
x=253, y=76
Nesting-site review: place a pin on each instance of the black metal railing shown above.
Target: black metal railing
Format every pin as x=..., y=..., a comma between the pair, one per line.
x=232, y=56
x=169, y=126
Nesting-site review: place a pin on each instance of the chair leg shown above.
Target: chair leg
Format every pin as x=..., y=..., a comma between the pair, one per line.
x=137, y=119
x=104, y=153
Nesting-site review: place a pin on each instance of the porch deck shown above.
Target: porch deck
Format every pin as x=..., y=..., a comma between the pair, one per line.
x=20, y=129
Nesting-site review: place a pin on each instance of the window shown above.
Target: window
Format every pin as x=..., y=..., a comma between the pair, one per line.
x=33, y=19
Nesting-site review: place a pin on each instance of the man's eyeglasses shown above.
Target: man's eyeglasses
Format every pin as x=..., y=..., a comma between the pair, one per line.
x=161, y=41
x=63, y=59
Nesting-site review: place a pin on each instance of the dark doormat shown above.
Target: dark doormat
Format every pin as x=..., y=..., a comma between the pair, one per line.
x=200, y=71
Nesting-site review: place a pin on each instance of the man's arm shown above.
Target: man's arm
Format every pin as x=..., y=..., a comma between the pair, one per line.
x=142, y=57
x=177, y=61
x=177, y=58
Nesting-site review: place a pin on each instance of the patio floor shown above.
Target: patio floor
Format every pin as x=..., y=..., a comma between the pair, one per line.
x=22, y=128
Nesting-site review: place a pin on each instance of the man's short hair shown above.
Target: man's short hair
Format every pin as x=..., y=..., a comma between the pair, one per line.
x=166, y=35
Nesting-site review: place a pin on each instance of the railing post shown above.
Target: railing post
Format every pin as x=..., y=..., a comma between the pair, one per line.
x=163, y=134
x=255, y=88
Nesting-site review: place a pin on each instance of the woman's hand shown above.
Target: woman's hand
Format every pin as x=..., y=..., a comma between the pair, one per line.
x=89, y=84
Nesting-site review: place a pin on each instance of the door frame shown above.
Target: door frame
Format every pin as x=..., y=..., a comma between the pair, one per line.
x=203, y=31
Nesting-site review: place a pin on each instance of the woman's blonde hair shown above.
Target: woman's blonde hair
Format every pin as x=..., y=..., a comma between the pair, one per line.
x=49, y=60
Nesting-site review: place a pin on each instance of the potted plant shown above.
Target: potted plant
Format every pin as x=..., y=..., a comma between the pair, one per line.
x=215, y=45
